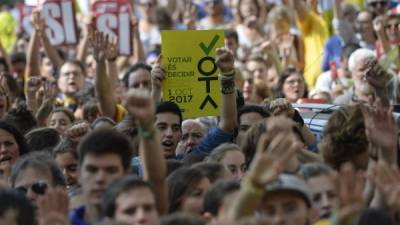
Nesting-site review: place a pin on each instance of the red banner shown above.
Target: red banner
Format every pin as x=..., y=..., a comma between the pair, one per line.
x=113, y=17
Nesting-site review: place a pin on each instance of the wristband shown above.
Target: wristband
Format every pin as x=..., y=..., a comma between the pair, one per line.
x=146, y=134
x=227, y=86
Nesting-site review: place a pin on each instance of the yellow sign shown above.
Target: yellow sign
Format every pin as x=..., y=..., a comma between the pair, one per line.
x=192, y=75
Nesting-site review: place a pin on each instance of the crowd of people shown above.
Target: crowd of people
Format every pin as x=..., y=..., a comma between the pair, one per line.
x=86, y=139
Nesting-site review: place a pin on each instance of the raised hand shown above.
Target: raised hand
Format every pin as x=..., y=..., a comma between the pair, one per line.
x=37, y=21
x=381, y=129
x=53, y=207
x=378, y=24
x=274, y=151
x=189, y=14
x=387, y=180
x=351, y=186
x=157, y=73
x=77, y=131
x=140, y=105
x=376, y=75
x=33, y=85
x=282, y=106
x=225, y=60
x=104, y=46
x=50, y=91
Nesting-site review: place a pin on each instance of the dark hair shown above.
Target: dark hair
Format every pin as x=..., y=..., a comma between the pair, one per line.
x=39, y=161
x=4, y=63
x=253, y=108
x=19, y=138
x=182, y=219
x=172, y=165
x=91, y=110
x=232, y=34
x=311, y=170
x=75, y=62
x=13, y=201
x=42, y=139
x=216, y=194
x=344, y=136
x=118, y=187
x=64, y=110
x=180, y=182
x=348, y=49
x=171, y=107
x=66, y=146
x=104, y=141
x=212, y=170
x=21, y=118
x=18, y=57
x=373, y=216
x=133, y=68
x=286, y=73
x=12, y=84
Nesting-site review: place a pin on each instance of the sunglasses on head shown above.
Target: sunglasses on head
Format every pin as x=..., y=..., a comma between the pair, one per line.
x=375, y=4
x=38, y=187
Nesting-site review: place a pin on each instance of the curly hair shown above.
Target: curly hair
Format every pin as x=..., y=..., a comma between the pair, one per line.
x=344, y=136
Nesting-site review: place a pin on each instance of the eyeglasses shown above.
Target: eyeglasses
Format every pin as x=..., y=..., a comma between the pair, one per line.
x=392, y=26
x=375, y=4
x=147, y=4
x=38, y=187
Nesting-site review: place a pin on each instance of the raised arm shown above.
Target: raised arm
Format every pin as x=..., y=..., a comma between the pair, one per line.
x=49, y=49
x=83, y=43
x=107, y=101
x=157, y=76
x=225, y=62
x=33, y=56
x=274, y=150
x=140, y=105
x=299, y=8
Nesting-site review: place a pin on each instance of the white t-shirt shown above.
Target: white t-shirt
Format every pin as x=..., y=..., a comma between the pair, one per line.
x=325, y=82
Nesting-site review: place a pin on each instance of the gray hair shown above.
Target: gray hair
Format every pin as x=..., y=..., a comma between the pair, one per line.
x=359, y=55
x=40, y=161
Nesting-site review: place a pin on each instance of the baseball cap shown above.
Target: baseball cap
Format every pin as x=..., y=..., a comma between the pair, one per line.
x=290, y=183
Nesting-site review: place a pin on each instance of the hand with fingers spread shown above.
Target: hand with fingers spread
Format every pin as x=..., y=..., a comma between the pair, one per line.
x=104, y=46
x=33, y=85
x=351, y=186
x=77, y=131
x=53, y=207
x=387, y=179
x=381, y=129
x=140, y=105
x=225, y=60
x=50, y=91
x=274, y=151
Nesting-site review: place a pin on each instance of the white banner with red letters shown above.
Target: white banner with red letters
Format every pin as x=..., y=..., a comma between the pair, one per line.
x=113, y=17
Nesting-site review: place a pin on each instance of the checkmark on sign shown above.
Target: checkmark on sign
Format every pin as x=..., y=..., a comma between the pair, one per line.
x=208, y=49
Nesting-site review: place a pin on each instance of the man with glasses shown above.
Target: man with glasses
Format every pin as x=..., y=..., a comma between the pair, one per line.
x=34, y=173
